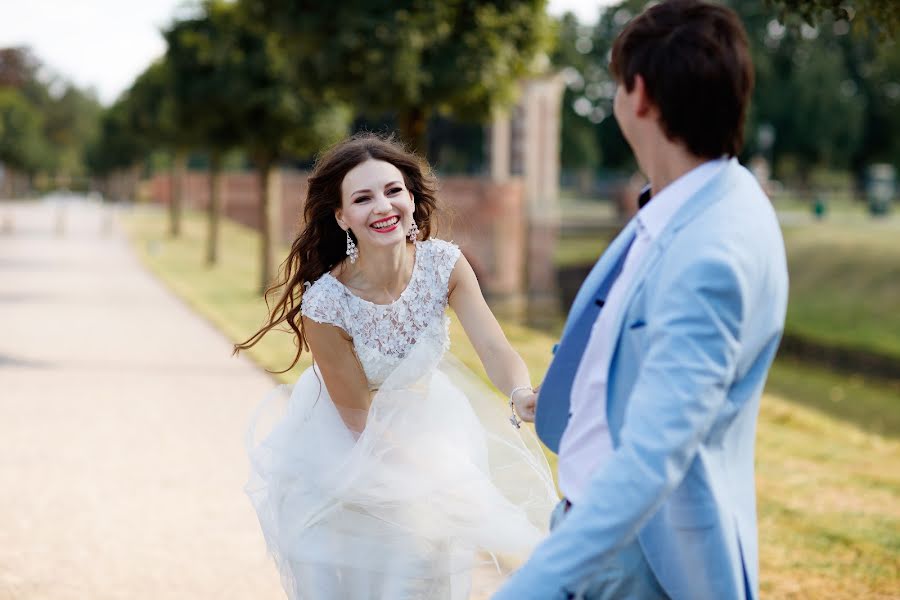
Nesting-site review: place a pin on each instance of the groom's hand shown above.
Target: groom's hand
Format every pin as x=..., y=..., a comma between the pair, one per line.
x=526, y=404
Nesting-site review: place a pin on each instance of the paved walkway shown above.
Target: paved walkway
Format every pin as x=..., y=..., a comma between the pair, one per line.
x=121, y=426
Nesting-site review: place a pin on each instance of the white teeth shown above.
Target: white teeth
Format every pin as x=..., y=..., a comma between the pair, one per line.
x=385, y=224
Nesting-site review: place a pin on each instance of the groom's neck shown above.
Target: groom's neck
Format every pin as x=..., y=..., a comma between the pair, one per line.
x=663, y=161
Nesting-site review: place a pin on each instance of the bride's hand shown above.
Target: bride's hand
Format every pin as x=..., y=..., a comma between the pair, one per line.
x=526, y=403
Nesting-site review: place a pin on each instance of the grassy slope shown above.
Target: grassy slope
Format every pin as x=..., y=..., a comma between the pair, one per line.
x=845, y=284
x=829, y=493
x=845, y=278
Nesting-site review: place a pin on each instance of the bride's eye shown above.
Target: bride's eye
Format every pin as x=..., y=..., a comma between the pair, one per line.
x=360, y=199
x=395, y=190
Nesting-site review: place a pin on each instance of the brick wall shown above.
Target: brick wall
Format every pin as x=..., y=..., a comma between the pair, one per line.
x=485, y=218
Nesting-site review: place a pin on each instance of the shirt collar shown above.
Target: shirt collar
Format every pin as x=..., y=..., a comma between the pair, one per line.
x=655, y=215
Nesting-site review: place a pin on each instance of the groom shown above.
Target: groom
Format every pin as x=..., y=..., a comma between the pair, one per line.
x=652, y=396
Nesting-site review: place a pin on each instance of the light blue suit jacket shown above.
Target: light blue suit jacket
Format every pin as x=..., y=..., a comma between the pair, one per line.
x=697, y=332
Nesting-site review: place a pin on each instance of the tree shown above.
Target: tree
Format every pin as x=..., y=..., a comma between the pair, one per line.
x=880, y=16
x=71, y=123
x=283, y=115
x=412, y=58
x=18, y=67
x=116, y=146
x=274, y=112
x=69, y=116
x=151, y=115
x=202, y=54
x=588, y=126
x=578, y=148
x=22, y=145
x=829, y=92
x=803, y=90
x=874, y=68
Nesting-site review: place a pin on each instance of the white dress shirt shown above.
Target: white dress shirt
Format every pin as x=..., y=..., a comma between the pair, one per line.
x=586, y=443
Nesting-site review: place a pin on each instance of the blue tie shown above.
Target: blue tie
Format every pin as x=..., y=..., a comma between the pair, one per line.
x=557, y=386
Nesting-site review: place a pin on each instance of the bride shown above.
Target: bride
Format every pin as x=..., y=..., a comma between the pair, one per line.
x=390, y=469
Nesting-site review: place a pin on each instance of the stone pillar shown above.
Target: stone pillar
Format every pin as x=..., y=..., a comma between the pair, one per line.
x=508, y=230
x=540, y=108
x=500, y=148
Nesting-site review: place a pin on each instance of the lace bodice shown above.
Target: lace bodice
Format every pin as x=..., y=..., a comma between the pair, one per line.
x=383, y=334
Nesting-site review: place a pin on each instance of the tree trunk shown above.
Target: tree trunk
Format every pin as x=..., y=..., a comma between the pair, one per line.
x=413, y=124
x=179, y=163
x=269, y=209
x=214, y=208
x=134, y=183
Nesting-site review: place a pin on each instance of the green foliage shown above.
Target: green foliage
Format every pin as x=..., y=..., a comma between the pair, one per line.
x=880, y=16
x=22, y=145
x=202, y=82
x=71, y=124
x=117, y=146
x=150, y=109
x=830, y=91
x=579, y=146
x=64, y=124
x=794, y=64
x=414, y=58
x=140, y=120
x=875, y=69
x=232, y=85
x=582, y=52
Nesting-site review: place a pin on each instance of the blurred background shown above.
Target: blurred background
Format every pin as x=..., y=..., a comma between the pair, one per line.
x=190, y=129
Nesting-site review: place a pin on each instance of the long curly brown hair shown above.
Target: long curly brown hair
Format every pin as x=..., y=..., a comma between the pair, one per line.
x=321, y=244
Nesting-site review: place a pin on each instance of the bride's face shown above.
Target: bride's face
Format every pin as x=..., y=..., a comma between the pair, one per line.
x=375, y=204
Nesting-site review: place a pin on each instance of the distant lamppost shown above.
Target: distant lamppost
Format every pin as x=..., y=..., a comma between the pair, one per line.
x=765, y=139
x=880, y=188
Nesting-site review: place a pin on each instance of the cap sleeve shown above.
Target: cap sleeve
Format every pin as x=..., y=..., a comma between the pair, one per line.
x=322, y=304
x=444, y=257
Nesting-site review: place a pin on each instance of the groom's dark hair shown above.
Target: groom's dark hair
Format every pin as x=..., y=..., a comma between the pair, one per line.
x=695, y=62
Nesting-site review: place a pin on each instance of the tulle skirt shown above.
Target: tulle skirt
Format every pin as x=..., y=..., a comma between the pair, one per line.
x=436, y=481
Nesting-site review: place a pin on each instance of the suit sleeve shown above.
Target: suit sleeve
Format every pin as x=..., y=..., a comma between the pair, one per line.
x=694, y=318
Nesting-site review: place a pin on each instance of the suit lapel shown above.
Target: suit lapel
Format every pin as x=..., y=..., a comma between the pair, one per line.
x=714, y=190
x=555, y=395
x=589, y=289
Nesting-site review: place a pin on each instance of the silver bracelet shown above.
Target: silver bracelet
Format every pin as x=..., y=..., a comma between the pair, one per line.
x=512, y=409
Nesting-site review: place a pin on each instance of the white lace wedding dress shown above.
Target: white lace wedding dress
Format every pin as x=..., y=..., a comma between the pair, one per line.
x=438, y=480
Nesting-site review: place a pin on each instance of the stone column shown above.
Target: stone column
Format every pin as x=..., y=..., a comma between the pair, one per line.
x=500, y=147
x=540, y=131
x=508, y=230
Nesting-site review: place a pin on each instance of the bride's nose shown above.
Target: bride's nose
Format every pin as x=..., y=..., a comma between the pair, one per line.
x=382, y=204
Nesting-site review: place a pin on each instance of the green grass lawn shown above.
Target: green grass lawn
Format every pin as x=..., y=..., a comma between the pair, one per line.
x=829, y=488
x=845, y=283
x=845, y=279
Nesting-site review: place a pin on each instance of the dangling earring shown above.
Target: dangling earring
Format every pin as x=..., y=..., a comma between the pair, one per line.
x=352, y=250
x=413, y=232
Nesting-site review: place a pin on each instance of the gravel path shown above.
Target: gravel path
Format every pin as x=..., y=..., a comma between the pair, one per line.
x=121, y=426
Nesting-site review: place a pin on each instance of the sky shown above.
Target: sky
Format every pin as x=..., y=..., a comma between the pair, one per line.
x=105, y=44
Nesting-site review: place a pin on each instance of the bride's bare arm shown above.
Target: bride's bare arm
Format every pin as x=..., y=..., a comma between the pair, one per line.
x=344, y=377
x=503, y=364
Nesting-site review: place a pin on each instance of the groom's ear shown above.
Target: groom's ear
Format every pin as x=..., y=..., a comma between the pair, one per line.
x=643, y=105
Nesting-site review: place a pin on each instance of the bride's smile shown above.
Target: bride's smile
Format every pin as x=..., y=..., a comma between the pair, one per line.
x=386, y=225
x=376, y=207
